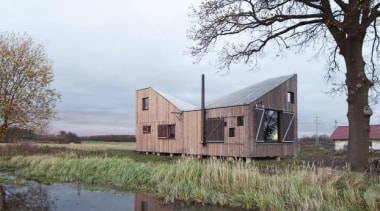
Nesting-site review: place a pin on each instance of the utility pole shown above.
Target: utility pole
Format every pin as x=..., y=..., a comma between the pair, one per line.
x=317, y=121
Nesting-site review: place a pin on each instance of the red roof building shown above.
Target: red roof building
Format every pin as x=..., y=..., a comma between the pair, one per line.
x=340, y=137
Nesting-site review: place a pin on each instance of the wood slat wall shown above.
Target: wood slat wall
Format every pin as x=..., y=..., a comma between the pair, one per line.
x=277, y=100
x=160, y=112
x=188, y=126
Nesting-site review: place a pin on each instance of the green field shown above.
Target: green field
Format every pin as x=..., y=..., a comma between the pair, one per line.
x=95, y=145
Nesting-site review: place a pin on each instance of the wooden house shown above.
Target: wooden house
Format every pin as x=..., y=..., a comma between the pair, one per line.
x=340, y=138
x=257, y=121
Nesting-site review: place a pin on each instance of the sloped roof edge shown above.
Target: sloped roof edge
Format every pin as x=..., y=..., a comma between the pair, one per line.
x=249, y=94
x=180, y=104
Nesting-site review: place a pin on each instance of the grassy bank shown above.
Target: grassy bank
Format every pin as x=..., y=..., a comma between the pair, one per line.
x=229, y=183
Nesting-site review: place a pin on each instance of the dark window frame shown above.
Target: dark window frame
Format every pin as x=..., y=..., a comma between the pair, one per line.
x=147, y=129
x=290, y=97
x=240, y=121
x=231, y=132
x=144, y=206
x=166, y=131
x=145, y=103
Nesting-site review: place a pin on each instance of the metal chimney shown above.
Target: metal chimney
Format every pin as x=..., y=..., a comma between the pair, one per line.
x=203, y=112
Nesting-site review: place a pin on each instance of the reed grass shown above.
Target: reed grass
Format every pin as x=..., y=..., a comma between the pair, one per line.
x=221, y=182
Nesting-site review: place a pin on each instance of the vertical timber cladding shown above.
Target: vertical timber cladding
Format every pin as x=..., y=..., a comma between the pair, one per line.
x=192, y=133
x=235, y=138
x=160, y=112
x=277, y=100
x=239, y=122
x=142, y=119
x=168, y=114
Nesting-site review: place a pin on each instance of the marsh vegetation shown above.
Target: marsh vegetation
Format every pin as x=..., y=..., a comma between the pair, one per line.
x=293, y=184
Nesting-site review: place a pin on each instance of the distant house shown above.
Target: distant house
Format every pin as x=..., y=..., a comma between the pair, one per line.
x=340, y=137
x=257, y=121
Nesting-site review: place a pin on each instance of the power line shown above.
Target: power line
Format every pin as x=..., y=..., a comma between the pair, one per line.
x=317, y=121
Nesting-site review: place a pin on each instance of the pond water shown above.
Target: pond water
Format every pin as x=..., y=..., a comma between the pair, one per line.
x=62, y=197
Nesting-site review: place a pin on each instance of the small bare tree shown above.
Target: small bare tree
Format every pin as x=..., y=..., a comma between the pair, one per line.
x=26, y=98
x=344, y=29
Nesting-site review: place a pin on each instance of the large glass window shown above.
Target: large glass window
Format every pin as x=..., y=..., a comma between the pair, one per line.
x=267, y=125
x=274, y=126
x=271, y=126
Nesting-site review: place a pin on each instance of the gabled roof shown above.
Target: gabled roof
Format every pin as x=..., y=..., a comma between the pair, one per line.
x=243, y=96
x=180, y=104
x=250, y=94
x=341, y=133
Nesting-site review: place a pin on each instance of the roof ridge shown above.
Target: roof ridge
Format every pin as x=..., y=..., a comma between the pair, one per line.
x=179, y=103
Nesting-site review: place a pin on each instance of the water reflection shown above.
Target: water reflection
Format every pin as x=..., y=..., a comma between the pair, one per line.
x=63, y=197
x=31, y=198
x=148, y=202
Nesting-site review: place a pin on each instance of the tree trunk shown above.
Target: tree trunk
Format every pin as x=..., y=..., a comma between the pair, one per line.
x=359, y=112
x=3, y=132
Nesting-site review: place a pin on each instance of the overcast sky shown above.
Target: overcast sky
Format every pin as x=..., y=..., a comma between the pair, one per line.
x=102, y=51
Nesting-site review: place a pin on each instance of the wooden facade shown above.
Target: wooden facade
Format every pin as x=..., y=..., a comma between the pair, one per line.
x=148, y=202
x=264, y=124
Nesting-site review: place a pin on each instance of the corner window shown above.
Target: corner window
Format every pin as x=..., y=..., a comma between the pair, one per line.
x=240, y=120
x=166, y=131
x=290, y=97
x=267, y=125
x=274, y=126
x=145, y=103
x=146, y=129
x=231, y=132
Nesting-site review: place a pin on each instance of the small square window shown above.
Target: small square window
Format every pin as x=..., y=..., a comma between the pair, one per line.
x=240, y=120
x=231, y=132
x=146, y=129
x=145, y=103
x=290, y=97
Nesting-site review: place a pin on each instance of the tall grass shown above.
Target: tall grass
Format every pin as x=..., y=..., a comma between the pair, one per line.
x=231, y=183
x=121, y=173
x=238, y=184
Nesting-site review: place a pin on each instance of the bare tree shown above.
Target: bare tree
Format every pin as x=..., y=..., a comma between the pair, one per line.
x=26, y=98
x=344, y=29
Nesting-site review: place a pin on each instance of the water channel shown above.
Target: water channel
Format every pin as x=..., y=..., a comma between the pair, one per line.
x=62, y=197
